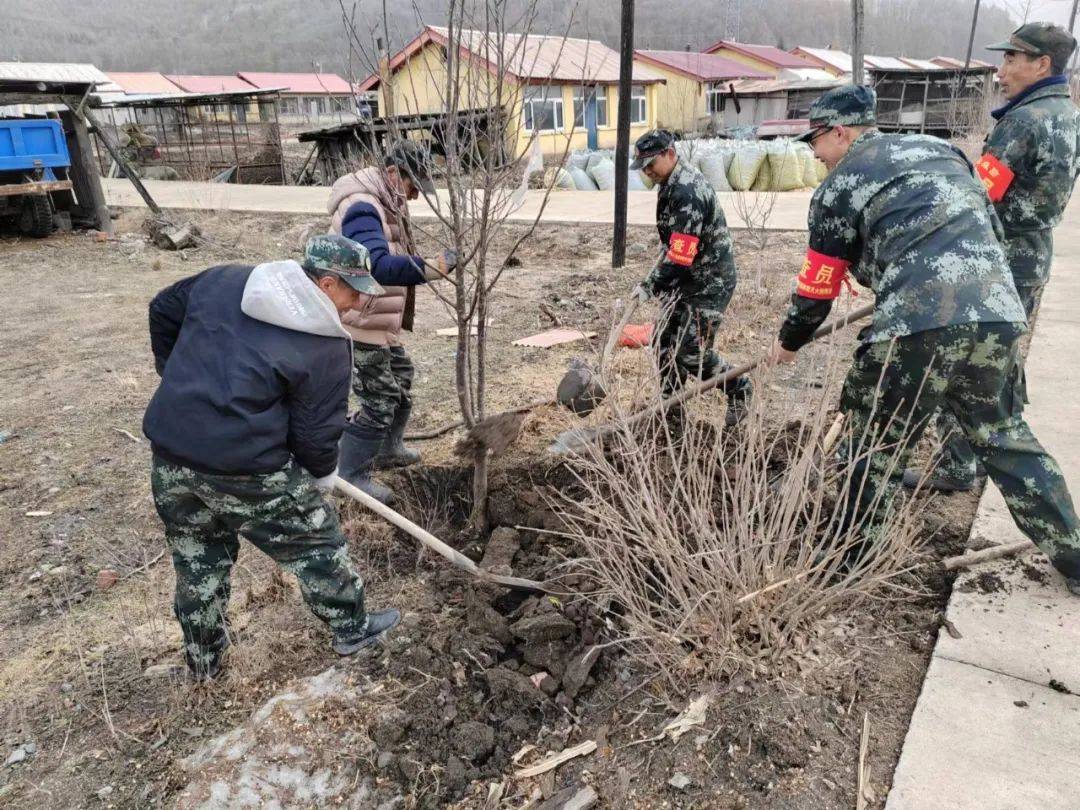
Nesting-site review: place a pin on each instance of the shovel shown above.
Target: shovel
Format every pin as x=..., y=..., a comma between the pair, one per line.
x=570, y=441
x=434, y=543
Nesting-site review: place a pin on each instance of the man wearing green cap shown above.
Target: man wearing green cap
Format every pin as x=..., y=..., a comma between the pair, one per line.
x=1029, y=164
x=696, y=278
x=906, y=216
x=244, y=429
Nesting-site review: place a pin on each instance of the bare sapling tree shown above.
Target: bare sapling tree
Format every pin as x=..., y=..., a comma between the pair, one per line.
x=497, y=86
x=713, y=550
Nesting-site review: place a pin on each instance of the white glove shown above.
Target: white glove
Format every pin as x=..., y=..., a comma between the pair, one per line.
x=640, y=293
x=326, y=483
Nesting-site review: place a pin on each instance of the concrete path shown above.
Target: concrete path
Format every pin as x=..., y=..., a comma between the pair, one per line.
x=788, y=211
x=989, y=732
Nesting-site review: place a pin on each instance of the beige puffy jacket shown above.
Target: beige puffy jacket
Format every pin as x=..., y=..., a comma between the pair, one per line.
x=382, y=320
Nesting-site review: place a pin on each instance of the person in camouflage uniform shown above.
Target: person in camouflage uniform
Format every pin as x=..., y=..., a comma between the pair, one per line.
x=1029, y=165
x=906, y=216
x=244, y=430
x=696, y=278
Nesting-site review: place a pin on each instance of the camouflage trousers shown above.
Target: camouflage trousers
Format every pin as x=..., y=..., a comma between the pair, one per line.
x=283, y=515
x=973, y=372
x=957, y=460
x=684, y=349
x=382, y=382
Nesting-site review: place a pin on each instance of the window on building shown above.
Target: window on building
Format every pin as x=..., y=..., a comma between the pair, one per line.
x=715, y=98
x=582, y=95
x=289, y=106
x=542, y=109
x=639, y=113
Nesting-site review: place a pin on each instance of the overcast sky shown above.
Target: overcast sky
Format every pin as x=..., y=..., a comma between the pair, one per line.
x=1051, y=10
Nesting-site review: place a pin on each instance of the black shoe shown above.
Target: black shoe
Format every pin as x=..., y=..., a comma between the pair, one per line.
x=738, y=402
x=356, y=455
x=394, y=453
x=375, y=628
x=937, y=483
x=1073, y=585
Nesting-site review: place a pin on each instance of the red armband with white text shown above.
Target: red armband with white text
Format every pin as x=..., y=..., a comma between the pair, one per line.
x=682, y=248
x=821, y=276
x=995, y=175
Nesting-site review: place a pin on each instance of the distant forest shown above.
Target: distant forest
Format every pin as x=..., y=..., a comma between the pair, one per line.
x=208, y=36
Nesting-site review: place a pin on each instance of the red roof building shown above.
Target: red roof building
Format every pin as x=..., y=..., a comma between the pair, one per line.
x=210, y=84
x=703, y=67
x=305, y=84
x=765, y=58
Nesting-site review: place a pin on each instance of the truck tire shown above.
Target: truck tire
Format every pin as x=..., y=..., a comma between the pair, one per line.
x=37, y=216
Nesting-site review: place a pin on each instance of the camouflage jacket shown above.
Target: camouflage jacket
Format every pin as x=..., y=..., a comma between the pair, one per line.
x=1038, y=140
x=914, y=224
x=699, y=266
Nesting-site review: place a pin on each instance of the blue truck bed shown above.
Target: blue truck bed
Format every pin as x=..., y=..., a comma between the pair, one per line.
x=32, y=143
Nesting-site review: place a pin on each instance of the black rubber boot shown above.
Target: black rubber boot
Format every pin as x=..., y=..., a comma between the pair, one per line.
x=394, y=453
x=738, y=401
x=375, y=628
x=359, y=446
x=937, y=483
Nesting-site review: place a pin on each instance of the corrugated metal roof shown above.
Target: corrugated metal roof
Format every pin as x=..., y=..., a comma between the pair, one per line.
x=134, y=83
x=312, y=84
x=764, y=86
x=950, y=62
x=52, y=72
x=537, y=57
x=209, y=84
x=705, y=67
x=766, y=53
x=838, y=60
x=922, y=64
x=810, y=74
x=885, y=62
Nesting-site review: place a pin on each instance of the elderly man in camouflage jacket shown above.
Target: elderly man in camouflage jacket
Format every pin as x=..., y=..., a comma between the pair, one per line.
x=696, y=278
x=244, y=428
x=1029, y=164
x=905, y=215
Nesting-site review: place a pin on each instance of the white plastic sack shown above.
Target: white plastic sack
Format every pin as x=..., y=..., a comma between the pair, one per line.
x=712, y=166
x=810, y=170
x=577, y=160
x=635, y=181
x=563, y=180
x=582, y=181
x=745, y=165
x=785, y=168
x=603, y=173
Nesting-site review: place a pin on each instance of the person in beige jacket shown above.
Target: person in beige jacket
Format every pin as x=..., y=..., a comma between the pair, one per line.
x=370, y=207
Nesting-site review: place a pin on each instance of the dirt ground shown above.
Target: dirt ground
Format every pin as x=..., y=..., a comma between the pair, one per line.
x=81, y=692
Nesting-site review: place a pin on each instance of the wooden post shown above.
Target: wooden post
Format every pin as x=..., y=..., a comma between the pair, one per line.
x=857, y=54
x=622, y=142
x=121, y=161
x=971, y=36
x=85, y=173
x=385, y=80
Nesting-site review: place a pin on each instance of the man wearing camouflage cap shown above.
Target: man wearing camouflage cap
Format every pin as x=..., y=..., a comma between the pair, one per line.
x=1029, y=164
x=370, y=206
x=244, y=429
x=906, y=216
x=696, y=277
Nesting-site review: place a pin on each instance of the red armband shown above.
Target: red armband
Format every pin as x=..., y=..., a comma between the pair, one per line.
x=682, y=248
x=995, y=175
x=821, y=276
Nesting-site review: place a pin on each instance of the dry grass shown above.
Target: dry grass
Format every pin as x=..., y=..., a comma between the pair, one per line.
x=718, y=548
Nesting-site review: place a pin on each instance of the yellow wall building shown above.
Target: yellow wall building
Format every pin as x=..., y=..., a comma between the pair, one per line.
x=764, y=58
x=559, y=92
x=696, y=86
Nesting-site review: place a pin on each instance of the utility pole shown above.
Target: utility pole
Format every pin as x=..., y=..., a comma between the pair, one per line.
x=622, y=143
x=857, y=53
x=1072, y=15
x=971, y=36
